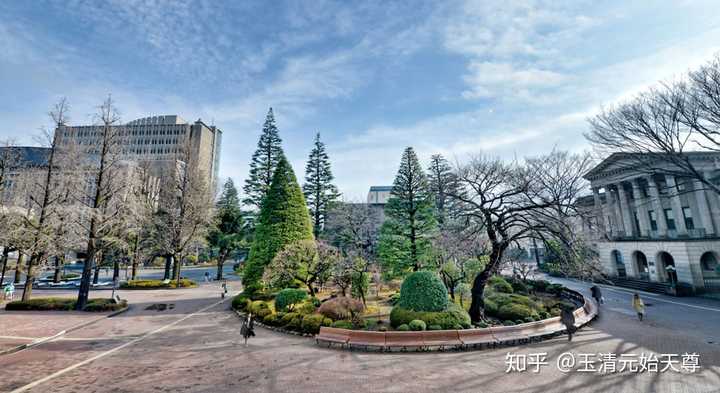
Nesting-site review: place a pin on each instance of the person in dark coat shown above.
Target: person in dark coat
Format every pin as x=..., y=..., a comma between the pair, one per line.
x=596, y=294
x=568, y=319
x=247, y=329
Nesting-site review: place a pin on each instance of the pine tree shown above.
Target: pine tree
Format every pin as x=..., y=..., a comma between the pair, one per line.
x=319, y=191
x=443, y=184
x=263, y=163
x=227, y=232
x=404, y=239
x=283, y=220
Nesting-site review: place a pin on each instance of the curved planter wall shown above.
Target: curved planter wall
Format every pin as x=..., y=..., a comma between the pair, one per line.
x=460, y=339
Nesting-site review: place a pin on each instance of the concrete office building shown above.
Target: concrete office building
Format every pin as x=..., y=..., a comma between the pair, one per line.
x=658, y=227
x=158, y=139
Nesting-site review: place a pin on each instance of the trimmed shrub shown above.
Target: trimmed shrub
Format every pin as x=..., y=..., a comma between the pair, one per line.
x=499, y=284
x=434, y=327
x=305, y=308
x=508, y=323
x=403, y=328
x=394, y=299
x=263, y=312
x=342, y=324
x=288, y=317
x=417, y=325
x=295, y=324
x=158, y=284
x=482, y=325
x=515, y=312
x=554, y=289
x=271, y=319
x=256, y=306
x=382, y=329
x=341, y=308
x=519, y=322
x=327, y=322
x=453, y=317
x=529, y=319
x=286, y=299
x=423, y=291
x=241, y=302
x=519, y=287
x=311, y=323
x=103, y=305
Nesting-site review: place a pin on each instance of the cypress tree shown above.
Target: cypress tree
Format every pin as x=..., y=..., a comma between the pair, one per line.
x=229, y=197
x=319, y=191
x=404, y=239
x=442, y=183
x=227, y=231
x=263, y=163
x=284, y=219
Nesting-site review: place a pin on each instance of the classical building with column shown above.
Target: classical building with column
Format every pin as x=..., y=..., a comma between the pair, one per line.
x=657, y=227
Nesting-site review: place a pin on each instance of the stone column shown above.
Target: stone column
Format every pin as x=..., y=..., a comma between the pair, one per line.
x=714, y=202
x=659, y=211
x=627, y=217
x=676, y=205
x=617, y=224
x=642, y=213
x=599, y=210
x=705, y=216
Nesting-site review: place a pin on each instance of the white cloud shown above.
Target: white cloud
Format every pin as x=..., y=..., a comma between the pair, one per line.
x=487, y=79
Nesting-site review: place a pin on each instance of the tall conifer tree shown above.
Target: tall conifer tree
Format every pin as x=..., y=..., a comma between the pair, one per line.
x=263, y=163
x=404, y=238
x=284, y=219
x=443, y=183
x=319, y=190
x=227, y=232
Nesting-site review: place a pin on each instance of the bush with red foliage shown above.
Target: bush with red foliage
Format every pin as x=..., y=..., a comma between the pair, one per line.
x=341, y=308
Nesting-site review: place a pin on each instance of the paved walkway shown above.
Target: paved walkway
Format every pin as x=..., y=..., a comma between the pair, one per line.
x=197, y=347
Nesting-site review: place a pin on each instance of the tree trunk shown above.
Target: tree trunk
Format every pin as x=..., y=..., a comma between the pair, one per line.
x=135, y=258
x=311, y=289
x=116, y=269
x=451, y=288
x=96, y=274
x=58, y=269
x=174, y=264
x=220, y=263
x=19, y=267
x=5, y=253
x=177, y=268
x=477, y=305
x=30, y=276
x=168, y=264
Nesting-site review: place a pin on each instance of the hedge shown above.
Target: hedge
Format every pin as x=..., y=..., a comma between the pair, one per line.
x=286, y=299
x=311, y=323
x=454, y=317
x=158, y=284
x=64, y=304
x=417, y=325
x=423, y=291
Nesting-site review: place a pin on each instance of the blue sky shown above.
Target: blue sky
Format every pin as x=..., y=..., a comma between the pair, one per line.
x=506, y=78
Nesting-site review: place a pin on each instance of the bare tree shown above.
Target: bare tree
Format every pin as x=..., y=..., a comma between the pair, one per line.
x=458, y=254
x=655, y=131
x=184, y=208
x=509, y=202
x=45, y=196
x=354, y=227
x=8, y=161
x=98, y=196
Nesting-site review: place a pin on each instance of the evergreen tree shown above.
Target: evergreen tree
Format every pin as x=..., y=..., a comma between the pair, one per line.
x=443, y=184
x=263, y=163
x=227, y=232
x=319, y=191
x=405, y=235
x=283, y=220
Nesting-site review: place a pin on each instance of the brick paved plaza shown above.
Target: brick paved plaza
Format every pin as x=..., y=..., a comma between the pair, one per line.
x=181, y=349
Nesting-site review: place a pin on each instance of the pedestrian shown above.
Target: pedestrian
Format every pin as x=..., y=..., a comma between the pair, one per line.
x=639, y=306
x=247, y=329
x=567, y=317
x=8, y=291
x=224, y=289
x=207, y=276
x=596, y=294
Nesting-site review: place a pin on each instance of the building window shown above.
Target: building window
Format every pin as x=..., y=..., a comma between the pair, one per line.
x=687, y=213
x=670, y=218
x=653, y=220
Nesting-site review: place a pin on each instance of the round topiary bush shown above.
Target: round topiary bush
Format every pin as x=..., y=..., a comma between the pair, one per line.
x=311, y=323
x=288, y=297
x=499, y=284
x=423, y=291
x=515, y=312
x=403, y=328
x=417, y=325
x=434, y=327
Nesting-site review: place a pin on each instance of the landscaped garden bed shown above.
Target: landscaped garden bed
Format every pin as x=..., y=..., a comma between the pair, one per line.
x=64, y=304
x=421, y=304
x=158, y=284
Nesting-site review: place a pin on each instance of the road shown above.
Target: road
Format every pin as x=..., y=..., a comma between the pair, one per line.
x=196, y=347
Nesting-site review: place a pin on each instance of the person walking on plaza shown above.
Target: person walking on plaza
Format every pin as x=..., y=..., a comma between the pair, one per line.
x=639, y=306
x=568, y=319
x=596, y=294
x=247, y=329
x=207, y=276
x=223, y=291
x=9, y=291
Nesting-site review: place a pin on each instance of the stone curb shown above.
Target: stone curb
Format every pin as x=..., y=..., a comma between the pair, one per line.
x=61, y=333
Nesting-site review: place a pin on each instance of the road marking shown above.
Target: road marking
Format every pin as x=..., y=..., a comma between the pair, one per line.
x=111, y=351
x=20, y=338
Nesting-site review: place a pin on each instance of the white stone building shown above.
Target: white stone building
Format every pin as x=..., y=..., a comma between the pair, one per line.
x=658, y=227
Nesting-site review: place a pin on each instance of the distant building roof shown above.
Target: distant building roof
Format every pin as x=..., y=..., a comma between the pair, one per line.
x=27, y=156
x=381, y=188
